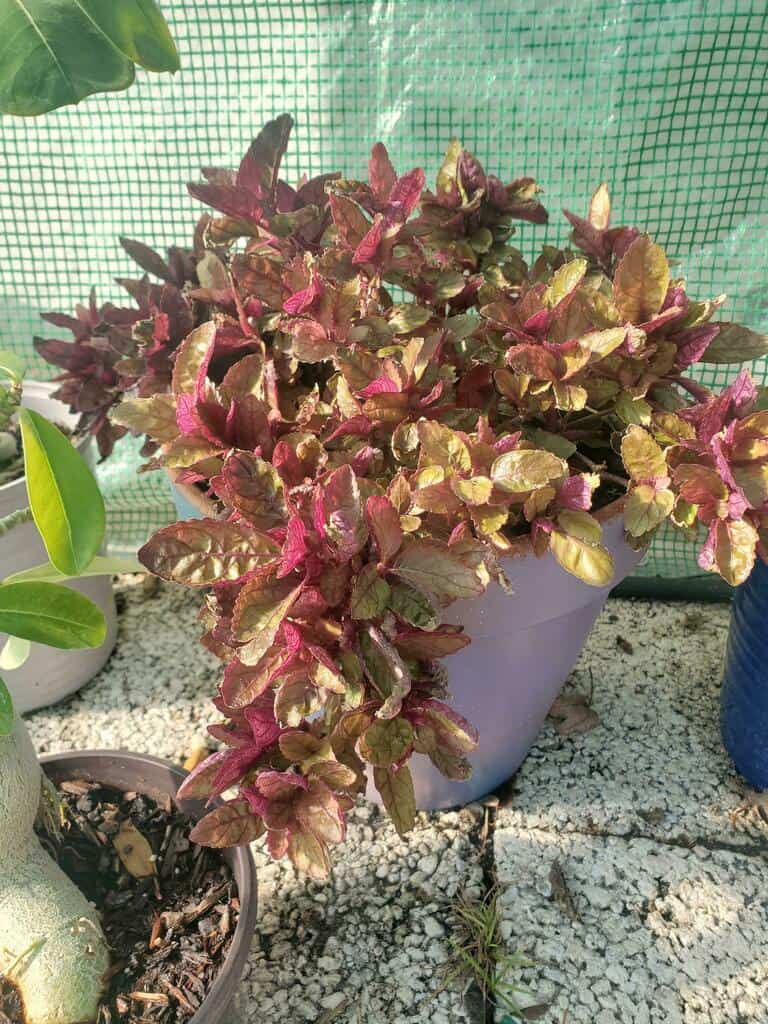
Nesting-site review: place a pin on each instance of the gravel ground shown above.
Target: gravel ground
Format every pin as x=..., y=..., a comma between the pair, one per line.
x=630, y=859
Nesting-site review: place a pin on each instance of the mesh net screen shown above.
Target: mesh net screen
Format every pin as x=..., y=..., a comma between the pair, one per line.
x=664, y=101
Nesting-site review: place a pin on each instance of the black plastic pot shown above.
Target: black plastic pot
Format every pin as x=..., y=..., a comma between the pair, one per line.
x=158, y=779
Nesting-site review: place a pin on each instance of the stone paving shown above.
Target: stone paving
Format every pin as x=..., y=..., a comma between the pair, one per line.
x=629, y=860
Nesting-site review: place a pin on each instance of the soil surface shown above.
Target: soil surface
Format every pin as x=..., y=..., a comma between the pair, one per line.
x=168, y=908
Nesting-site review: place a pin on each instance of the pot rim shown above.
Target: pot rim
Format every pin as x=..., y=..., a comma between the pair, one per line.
x=219, y=997
x=45, y=389
x=519, y=546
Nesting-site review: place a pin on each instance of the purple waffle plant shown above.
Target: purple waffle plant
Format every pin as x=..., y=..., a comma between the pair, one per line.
x=381, y=396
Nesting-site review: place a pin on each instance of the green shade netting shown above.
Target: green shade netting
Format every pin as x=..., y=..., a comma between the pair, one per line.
x=664, y=101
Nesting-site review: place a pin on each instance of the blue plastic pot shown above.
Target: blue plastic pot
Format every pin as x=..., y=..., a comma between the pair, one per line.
x=744, y=698
x=189, y=502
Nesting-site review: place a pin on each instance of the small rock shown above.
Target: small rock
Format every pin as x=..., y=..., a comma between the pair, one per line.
x=433, y=928
x=332, y=1001
x=428, y=864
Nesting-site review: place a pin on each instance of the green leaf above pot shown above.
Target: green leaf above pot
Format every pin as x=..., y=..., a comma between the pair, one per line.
x=56, y=52
x=67, y=506
x=47, y=613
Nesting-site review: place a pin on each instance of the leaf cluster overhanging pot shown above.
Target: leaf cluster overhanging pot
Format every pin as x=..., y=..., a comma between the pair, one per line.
x=374, y=460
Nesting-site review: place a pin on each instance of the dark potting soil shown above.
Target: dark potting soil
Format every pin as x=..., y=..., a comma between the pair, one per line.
x=168, y=908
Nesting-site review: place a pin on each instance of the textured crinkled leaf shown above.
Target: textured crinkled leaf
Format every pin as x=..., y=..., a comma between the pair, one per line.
x=441, y=446
x=413, y=607
x=564, y=281
x=641, y=280
x=309, y=855
x=260, y=608
x=296, y=701
x=231, y=824
x=345, y=522
x=386, y=741
x=601, y=343
x=185, y=452
x=439, y=643
x=453, y=730
x=255, y=489
x=204, y=551
x=154, y=416
x=646, y=508
x=369, y=594
x=578, y=523
x=591, y=563
x=643, y=458
x=525, y=469
x=734, y=551
x=395, y=787
x=474, y=490
x=735, y=344
x=191, y=356
x=430, y=565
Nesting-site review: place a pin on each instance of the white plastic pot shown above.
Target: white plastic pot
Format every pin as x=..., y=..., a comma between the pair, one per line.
x=50, y=675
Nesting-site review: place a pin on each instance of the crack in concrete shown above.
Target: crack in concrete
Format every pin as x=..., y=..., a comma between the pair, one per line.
x=682, y=842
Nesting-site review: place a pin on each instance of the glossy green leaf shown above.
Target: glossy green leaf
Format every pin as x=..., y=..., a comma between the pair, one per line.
x=6, y=710
x=99, y=566
x=14, y=653
x=56, y=52
x=47, y=613
x=66, y=503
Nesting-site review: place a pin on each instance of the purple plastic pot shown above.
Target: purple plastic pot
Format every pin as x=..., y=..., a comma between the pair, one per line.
x=523, y=648
x=159, y=780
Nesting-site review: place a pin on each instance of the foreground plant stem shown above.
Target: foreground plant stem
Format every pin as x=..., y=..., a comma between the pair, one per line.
x=51, y=944
x=599, y=467
x=21, y=515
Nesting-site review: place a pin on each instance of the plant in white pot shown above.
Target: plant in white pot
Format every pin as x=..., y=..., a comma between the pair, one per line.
x=385, y=413
x=52, y=946
x=61, y=961
x=47, y=675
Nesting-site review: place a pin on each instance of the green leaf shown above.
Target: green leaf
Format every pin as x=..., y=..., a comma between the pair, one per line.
x=633, y=410
x=14, y=653
x=735, y=344
x=99, y=566
x=413, y=607
x=552, y=442
x=369, y=594
x=47, y=613
x=386, y=741
x=56, y=52
x=6, y=710
x=66, y=503
x=396, y=790
x=155, y=416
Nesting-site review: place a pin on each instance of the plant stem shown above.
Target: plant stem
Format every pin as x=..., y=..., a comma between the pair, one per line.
x=604, y=473
x=21, y=515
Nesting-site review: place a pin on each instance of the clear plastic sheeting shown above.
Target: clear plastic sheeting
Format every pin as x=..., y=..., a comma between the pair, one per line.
x=664, y=101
